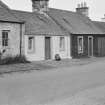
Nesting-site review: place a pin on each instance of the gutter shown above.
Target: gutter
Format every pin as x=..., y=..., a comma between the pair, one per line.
x=19, y=22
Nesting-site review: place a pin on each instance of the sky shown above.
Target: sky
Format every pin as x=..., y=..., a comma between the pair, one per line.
x=96, y=7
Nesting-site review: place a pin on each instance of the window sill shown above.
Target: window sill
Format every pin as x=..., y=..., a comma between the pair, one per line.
x=31, y=52
x=62, y=50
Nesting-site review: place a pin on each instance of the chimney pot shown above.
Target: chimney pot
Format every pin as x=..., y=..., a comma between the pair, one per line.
x=82, y=9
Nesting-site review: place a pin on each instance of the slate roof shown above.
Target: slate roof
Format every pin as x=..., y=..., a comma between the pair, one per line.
x=6, y=15
x=74, y=22
x=59, y=22
x=100, y=25
x=55, y=22
x=38, y=24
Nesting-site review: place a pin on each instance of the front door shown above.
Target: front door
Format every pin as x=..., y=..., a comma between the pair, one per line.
x=101, y=46
x=90, y=46
x=47, y=48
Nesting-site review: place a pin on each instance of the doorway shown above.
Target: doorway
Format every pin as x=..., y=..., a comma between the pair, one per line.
x=47, y=48
x=90, y=46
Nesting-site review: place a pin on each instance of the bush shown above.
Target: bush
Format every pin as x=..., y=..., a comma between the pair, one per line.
x=13, y=60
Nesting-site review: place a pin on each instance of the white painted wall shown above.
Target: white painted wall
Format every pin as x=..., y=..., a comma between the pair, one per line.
x=56, y=49
x=39, y=53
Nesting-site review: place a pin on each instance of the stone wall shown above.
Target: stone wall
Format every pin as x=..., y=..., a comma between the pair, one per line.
x=14, y=38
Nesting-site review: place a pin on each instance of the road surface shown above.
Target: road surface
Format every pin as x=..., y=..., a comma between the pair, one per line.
x=65, y=85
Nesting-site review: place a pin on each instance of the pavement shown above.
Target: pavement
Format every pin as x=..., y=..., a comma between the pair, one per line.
x=75, y=85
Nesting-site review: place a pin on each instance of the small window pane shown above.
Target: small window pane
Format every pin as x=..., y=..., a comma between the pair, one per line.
x=31, y=43
x=80, y=44
x=62, y=44
x=5, y=38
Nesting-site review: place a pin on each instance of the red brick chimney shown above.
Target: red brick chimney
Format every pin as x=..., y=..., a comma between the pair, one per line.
x=83, y=9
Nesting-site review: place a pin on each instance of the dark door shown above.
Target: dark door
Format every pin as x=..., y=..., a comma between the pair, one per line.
x=47, y=48
x=90, y=46
x=101, y=46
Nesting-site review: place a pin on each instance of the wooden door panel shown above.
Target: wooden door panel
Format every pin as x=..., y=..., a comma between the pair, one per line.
x=90, y=46
x=101, y=46
x=47, y=48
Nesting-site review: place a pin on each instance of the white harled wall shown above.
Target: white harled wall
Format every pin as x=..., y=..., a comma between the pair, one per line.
x=56, y=50
x=39, y=53
x=39, y=49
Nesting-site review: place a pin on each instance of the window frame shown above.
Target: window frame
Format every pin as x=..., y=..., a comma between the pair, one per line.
x=32, y=50
x=5, y=39
x=62, y=43
x=80, y=47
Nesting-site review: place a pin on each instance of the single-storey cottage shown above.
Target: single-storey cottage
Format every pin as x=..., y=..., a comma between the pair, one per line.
x=10, y=32
x=45, y=32
x=43, y=37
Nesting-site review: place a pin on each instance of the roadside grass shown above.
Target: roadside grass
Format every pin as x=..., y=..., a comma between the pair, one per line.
x=13, y=60
x=22, y=67
x=45, y=65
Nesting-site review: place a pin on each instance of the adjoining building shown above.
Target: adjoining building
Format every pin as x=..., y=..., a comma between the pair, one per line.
x=45, y=32
x=11, y=32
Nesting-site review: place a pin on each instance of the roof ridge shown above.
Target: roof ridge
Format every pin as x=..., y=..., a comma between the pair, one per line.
x=49, y=8
x=68, y=11
x=3, y=4
x=63, y=10
x=22, y=11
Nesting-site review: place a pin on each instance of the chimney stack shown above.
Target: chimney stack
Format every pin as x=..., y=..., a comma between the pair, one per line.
x=83, y=9
x=40, y=5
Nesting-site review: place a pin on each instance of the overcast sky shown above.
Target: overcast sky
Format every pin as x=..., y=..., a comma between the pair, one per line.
x=96, y=7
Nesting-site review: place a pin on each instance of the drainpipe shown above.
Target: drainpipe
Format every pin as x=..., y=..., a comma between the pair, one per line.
x=20, y=39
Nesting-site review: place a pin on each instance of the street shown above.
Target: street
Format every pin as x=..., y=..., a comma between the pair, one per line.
x=56, y=85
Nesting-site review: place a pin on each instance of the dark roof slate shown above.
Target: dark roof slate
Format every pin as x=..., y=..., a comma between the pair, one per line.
x=58, y=22
x=74, y=22
x=38, y=24
x=6, y=14
x=100, y=25
x=55, y=22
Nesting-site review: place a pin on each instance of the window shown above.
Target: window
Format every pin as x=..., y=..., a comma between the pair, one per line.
x=31, y=44
x=80, y=44
x=5, y=38
x=62, y=44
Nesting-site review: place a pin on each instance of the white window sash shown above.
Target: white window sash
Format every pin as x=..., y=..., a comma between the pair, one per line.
x=5, y=38
x=62, y=43
x=80, y=45
x=32, y=44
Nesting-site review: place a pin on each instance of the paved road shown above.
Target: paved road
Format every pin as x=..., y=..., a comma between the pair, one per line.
x=40, y=87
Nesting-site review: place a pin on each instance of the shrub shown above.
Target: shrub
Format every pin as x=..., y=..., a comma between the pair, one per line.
x=13, y=60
